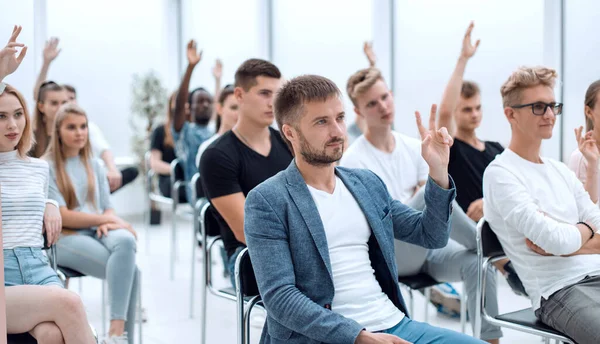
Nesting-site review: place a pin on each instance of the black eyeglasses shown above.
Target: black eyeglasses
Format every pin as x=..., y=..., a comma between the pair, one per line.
x=539, y=108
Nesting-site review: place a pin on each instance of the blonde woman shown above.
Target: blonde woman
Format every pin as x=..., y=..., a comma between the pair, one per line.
x=36, y=301
x=96, y=242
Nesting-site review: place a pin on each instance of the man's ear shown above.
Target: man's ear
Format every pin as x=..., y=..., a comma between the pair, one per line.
x=510, y=114
x=288, y=131
x=238, y=92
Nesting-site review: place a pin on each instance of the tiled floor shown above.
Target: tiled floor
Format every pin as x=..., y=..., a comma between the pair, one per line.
x=167, y=302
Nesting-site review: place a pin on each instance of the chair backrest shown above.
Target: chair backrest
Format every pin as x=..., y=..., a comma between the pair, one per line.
x=197, y=187
x=176, y=171
x=248, y=285
x=490, y=244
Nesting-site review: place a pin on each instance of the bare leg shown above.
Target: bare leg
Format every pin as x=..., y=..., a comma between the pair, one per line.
x=29, y=305
x=47, y=333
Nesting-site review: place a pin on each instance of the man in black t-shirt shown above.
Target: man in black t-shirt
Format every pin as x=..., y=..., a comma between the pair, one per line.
x=247, y=155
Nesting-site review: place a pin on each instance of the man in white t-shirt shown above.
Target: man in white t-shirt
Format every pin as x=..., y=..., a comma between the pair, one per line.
x=397, y=160
x=542, y=215
x=320, y=236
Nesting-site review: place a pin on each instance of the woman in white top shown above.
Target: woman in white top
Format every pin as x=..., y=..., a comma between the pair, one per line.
x=584, y=160
x=227, y=116
x=36, y=301
x=95, y=240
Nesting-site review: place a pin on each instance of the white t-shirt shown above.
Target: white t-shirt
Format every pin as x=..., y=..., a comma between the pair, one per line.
x=97, y=140
x=400, y=170
x=541, y=202
x=203, y=147
x=358, y=295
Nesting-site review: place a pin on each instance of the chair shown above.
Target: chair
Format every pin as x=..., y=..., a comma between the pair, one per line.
x=152, y=196
x=489, y=250
x=425, y=282
x=246, y=291
x=198, y=201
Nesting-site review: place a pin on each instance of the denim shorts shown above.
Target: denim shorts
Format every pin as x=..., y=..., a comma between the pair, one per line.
x=29, y=266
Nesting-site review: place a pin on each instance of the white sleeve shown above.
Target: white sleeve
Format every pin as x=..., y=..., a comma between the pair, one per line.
x=509, y=198
x=97, y=140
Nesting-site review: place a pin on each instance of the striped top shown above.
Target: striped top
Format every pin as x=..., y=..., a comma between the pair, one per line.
x=24, y=189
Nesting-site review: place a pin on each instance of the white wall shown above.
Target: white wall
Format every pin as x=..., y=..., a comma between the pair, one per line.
x=581, y=63
x=230, y=30
x=20, y=13
x=326, y=42
x=429, y=36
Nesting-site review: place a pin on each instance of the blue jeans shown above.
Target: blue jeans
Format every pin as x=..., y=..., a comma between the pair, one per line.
x=422, y=333
x=28, y=266
x=112, y=258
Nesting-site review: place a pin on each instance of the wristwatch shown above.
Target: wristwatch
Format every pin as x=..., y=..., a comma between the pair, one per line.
x=2, y=87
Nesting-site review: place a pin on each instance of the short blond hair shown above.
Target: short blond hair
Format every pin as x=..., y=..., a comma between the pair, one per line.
x=525, y=77
x=361, y=81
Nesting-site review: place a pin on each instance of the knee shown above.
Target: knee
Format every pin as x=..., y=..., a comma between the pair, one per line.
x=126, y=243
x=71, y=304
x=49, y=333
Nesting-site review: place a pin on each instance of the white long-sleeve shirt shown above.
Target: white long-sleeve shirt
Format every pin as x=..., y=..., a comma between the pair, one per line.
x=541, y=202
x=24, y=185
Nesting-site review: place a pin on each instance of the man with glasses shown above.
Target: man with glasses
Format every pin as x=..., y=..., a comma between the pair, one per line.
x=541, y=213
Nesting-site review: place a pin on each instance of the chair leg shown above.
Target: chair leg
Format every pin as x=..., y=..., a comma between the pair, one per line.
x=203, y=292
x=173, y=231
x=463, y=308
x=253, y=302
x=139, y=306
x=546, y=340
x=193, y=274
x=427, y=298
x=104, y=321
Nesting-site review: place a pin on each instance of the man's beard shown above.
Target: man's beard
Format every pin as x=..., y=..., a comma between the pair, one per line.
x=320, y=158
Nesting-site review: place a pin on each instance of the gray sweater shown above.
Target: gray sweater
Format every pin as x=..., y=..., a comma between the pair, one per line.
x=76, y=171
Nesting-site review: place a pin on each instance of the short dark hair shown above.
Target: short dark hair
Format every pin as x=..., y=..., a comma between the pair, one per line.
x=246, y=74
x=70, y=88
x=469, y=89
x=197, y=89
x=289, y=101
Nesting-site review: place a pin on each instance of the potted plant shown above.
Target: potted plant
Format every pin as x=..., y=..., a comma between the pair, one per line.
x=148, y=107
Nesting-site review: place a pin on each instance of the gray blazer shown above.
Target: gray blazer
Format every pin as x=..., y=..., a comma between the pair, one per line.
x=290, y=256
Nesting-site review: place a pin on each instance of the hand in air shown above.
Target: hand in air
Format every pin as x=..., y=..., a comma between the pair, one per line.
x=193, y=55
x=9, y=60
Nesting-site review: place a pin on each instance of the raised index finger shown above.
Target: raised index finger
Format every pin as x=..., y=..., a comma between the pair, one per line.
x=432, y=115
x=422, y=130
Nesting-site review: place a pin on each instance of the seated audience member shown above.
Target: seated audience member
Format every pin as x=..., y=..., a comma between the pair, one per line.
x=188, y=136
x=227, y=117
x=461, y=112
x=51, y=96
x=542, y=214
x=100, y=147
x=248, y=154
x=36, y=301
x=396, y=159
x=584, y=160
x=321, y=237
x=162, y=153
x=95, y=241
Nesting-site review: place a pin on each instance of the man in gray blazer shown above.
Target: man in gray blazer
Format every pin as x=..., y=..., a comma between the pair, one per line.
x=321, y=237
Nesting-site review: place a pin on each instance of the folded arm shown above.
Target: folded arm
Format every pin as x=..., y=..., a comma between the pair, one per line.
x=269, y=247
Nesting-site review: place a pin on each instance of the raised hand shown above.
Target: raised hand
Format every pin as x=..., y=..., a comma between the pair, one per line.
x=368, y=49
x=435, y=147
x=587, y=146
x=193, y=55
x=9, y=62
x=217, y=70
x=51, y=50
x=468, y=49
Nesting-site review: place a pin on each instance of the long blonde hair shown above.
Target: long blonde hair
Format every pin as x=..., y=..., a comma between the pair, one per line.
x=27, y=140
x=56, y=154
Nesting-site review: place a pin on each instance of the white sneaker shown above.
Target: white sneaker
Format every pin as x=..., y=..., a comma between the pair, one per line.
x=116, y=339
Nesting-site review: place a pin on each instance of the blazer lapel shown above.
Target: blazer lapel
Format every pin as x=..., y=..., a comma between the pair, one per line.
x=371, y=212
x=308, y=209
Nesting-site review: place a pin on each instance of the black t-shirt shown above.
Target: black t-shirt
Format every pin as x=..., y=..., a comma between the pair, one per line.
x=228, y=166
x=158, y=143
x=466, y=167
